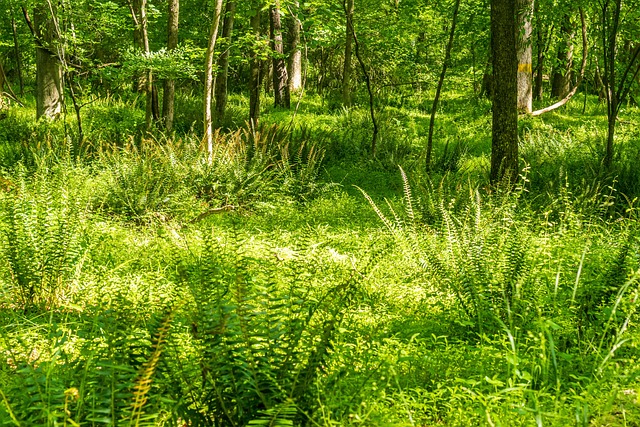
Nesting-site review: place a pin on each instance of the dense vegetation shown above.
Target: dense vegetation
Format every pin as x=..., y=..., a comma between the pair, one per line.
x=287, y=275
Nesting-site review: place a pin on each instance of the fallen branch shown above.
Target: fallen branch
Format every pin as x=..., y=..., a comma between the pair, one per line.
x=213, y=211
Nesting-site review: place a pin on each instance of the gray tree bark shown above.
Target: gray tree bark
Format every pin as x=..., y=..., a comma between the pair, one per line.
x=281, y=93
x=169, y=93
x=524, y=52
x=223, y=62
x=49, y=83
x=208, y=77
x=294, y=64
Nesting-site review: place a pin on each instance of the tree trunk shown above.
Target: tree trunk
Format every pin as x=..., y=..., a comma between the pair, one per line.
x=445, y=65
x=281, y=93
x=49, y=92
x=208, y=77
x=525, y=92
x=16, y=49
x=504, y=141
x=169, y=93
x=256, y=70
x=540, y=48
x=294, y=65
x=138, y=10
x=223, y=62
x=561, y=79
x=348, y=49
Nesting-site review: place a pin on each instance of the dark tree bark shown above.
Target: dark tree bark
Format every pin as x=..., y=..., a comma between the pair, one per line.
x=504, y=141
x=348, y=49
x=561, y=79
x=281, y=93
x=617, y=87
x=256, y=70
x=367, y=79
x=169, y=93
x=524, y=51
x=49, y=87
x=294, y=64
x=223, y=62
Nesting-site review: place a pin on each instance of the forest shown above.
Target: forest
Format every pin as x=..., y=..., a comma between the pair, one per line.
x=319, y=213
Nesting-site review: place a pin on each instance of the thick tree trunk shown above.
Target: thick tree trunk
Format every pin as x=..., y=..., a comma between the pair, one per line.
x=294, y=65
x=223, y=62
x=561, y=79
x=524, y=52
x=504, y=142
x=169, y=93
x=281, y=95
x=348, y=49
x=208, y=77
x=49, y=92
x=256, y=70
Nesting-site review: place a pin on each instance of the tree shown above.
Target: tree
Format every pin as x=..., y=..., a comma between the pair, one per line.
x=223, y=61
x=168, y=96
x=347, y=70
x=256, y=67
x=616, y=88
x=561, y=79
x=281, y=94
x=138, y=10
x=208, y=77
x=524, y=51
x=49, y=82
x=504, y=131
x=294, y=64
x=445, y=65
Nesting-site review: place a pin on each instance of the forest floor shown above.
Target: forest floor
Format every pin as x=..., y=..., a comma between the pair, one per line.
x=294, y=279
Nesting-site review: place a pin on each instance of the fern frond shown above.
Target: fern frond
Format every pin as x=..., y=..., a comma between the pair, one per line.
x=143, y=383
x=408, y=199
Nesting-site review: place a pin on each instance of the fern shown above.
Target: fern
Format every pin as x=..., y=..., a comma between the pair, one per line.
x=143, y=382
x=481, y=259
x=42, y=244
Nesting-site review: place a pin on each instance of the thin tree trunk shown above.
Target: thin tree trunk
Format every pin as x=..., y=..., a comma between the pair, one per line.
x=504, y=140
x=561, y=79
x=367, y=78
x=16, y=49
x=281, y=95
x=208, y=79
x=223, y=62
x=583, y=66
x=347, y=71
x=138, y=10
x=537, y=87
x=524, y=52
x=256, y=70
x=294, y=65
x=445, y=65
x=169, y=93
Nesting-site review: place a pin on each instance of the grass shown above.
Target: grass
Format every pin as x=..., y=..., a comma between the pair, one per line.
x=148, y=287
